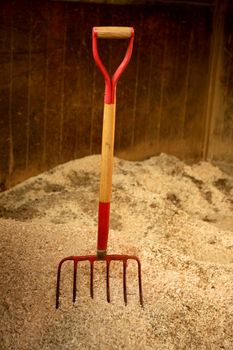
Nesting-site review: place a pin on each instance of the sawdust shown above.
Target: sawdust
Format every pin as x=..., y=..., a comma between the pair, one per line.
x=177, y=218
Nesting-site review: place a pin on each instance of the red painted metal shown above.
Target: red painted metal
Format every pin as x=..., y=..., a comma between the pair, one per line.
x=110, y=83
x=103, y=225
x=92, y=259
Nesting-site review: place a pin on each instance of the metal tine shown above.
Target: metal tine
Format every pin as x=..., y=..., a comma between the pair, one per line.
x=108, y=280
x=58, y=285
x=91, y=279
x=91, y=260
x=75, y=280
x=140, y=283
x=124, y=281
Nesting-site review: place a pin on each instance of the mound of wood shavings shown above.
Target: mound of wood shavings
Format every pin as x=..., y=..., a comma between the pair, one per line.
x=177, y=218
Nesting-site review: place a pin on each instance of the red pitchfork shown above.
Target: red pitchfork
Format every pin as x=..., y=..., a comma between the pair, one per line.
x=106, y=170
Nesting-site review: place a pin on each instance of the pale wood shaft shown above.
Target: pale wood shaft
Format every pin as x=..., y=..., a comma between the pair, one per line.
x=107, y=152
x=113, y=32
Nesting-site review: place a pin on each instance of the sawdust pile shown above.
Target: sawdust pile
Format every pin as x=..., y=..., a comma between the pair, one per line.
x=177, y=218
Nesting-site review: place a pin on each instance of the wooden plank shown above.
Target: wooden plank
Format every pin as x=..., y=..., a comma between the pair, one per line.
x=184, y=62
x=36, y=83
x=5, y=95
x=151, y=83
x=214, y=110
x=227, y=132
x=222, y=141
x=135, y=90
x=54, y=97
x=140, y=110
x=176, y=80
x=85, y=83
x=194, y=125
x=164, y=72
x=71, y=78
x=79, y=67
x=169, y=104
x=157, y=27
x=20, y=69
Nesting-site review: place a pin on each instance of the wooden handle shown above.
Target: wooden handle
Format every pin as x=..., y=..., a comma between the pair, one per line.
x=108, y=127
x=114, y=32
x=107, y=153
x=106, y=178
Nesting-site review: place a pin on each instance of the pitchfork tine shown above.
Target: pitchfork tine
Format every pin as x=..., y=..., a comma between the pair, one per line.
x=91, y=280
x=108, y=281
x=124, y=281
x=140, y=283
x=58, y=284
x=74, y=280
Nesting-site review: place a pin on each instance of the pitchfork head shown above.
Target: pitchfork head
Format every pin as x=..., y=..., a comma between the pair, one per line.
x=92, y=259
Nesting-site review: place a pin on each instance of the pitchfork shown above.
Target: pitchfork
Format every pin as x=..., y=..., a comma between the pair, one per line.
x=106, y=170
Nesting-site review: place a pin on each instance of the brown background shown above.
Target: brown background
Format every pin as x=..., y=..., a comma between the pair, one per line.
x=176, y=95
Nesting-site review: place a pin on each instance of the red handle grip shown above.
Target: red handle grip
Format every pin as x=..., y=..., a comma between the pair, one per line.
x=110, y=83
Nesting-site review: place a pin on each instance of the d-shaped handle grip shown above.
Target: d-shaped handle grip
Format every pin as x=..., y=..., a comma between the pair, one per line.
x=109, y=33
x=114, y=32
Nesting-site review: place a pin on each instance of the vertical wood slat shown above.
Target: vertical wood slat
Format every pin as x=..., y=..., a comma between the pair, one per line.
x=228, y=52
x=96, y=99
x=37, y=84
x=213, y=71
x=54, y=84
x=5, y=87
x=199, y=64
x=19, y=110
x=168, y=88
x=29, y=82
x=219, y=126
x=141, y=76
x=158, y=42
x=63, y=72
x=86, y=85
x=180, y=44
x=71, y=77
x=162, y=83
x=180, y=83
x=187, y=63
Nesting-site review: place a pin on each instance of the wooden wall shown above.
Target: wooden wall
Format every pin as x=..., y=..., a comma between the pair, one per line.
x=52, y=94
x=220, y=148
